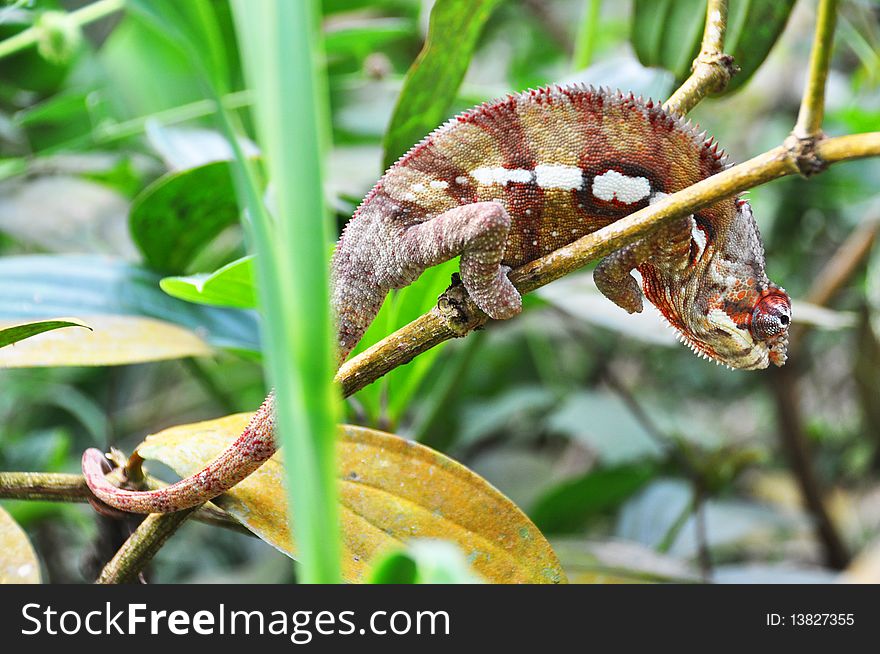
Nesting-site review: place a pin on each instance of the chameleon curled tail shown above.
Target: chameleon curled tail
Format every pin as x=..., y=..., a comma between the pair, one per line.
x=504, y=184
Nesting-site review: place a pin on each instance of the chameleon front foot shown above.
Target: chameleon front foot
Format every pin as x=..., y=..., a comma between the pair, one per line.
x=614, y=279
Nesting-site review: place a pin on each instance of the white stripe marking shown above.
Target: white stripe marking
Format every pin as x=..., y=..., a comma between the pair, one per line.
x=558, y=176
x=500, y=175
x=612, y=184
x=699, y=237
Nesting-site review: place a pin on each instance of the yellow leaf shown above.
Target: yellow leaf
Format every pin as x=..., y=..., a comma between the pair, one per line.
x=18, y=561
x=391, y=490
x=115, y=340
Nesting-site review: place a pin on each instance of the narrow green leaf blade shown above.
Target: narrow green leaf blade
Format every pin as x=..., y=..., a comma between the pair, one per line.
x=433, y=80
x=17, y=333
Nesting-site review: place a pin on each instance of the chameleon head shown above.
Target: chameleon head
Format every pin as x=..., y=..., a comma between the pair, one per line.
x=725, y=307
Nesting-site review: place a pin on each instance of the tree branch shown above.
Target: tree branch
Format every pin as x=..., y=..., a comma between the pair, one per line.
x=712, y=69
x=60, y=487
x=809, y=122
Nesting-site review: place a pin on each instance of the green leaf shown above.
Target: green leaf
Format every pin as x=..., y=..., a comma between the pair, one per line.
x=18, y=561
x=424, y=562
x=41, y=286
x=358, y=41
x=146, y=71
x=433, y=80
x=753, y=28
x=283, y=58
x=667, y=33
x=391, y=491
x=387, y=400
x=20, y=332
x=233, y=285
x=180, y=213
x=200, y=28
x=567, y=507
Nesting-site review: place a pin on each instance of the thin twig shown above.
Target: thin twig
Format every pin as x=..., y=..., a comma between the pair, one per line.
x=812, y=110
x=701, y=532
x=837, y=272
x=141, y=546
x=61, y=487
x=712, y=69
x=784, y=383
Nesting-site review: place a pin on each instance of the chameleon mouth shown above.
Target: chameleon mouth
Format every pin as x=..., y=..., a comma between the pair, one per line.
x=749, y=354
x=779, y=350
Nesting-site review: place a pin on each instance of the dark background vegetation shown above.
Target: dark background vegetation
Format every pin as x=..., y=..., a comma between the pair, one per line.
x=638, y=460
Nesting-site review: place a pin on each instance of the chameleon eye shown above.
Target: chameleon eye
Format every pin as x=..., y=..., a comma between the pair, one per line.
x=771, y=315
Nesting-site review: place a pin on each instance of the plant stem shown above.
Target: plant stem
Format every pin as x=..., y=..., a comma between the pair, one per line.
x=60, y=487
x=88, y=14
x=677, y=525
x=55, y=487
x=115, y=131
x=712, y=69
x=812, y=110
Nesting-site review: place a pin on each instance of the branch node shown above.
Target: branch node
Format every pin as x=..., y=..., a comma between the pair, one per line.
x=455, y=308
x=802, y=151
x=722, y=66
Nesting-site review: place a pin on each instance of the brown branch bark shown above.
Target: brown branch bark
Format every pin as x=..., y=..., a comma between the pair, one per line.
x=712, y=69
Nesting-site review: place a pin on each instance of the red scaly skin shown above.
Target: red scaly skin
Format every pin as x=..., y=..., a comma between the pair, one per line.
x=506, y=183
x=252, y=449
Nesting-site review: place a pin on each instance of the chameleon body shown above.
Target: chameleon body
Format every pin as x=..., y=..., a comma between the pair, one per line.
x=506, y=183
